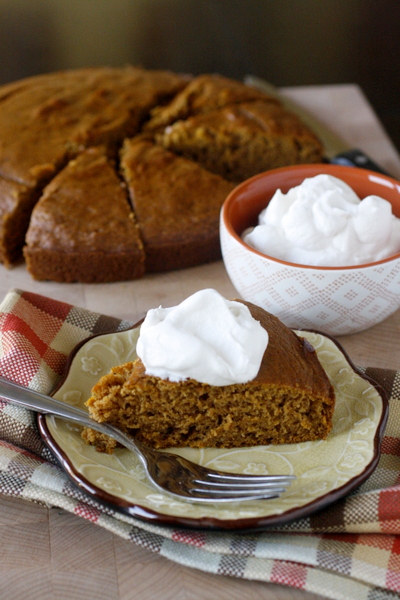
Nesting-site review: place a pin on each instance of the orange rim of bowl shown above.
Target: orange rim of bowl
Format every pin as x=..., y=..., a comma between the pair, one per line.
x=331, y=169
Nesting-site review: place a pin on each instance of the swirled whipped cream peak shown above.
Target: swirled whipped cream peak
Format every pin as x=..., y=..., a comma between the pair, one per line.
x=323, y=222
x=206, y=338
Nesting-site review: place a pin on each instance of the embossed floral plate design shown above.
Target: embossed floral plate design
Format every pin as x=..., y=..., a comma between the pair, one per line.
x=325, y=470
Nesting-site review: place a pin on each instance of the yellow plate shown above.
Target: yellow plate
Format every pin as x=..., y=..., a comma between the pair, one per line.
x=326, y=470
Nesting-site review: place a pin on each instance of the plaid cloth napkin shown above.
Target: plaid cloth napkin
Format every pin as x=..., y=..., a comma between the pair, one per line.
x=349, y=550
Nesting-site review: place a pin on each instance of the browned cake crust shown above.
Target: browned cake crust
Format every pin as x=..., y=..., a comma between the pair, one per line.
x=181, y=229
x=45, y=120
x=239, y=141
x=204, y=94
x=290, y=401
x=82, y=229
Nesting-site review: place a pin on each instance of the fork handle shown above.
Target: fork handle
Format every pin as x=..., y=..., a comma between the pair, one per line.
x=18, y=394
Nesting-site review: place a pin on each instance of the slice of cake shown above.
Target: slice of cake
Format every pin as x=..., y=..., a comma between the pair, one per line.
x=239, y=141
x=203, y=94
x=245, y=389
x=82, y=228
x=177, y=205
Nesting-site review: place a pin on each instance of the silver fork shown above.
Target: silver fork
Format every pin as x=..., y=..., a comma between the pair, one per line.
x=179, y=477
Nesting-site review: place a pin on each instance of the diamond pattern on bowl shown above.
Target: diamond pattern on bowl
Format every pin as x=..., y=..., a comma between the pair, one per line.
x=339, y=301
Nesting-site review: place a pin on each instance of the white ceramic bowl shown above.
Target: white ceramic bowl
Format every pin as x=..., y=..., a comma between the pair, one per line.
x=335, y=300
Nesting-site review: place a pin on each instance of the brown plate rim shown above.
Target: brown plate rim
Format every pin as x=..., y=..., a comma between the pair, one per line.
x=244, y=524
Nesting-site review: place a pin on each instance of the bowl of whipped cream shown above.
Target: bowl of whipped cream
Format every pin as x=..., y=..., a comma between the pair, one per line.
x=316, y=245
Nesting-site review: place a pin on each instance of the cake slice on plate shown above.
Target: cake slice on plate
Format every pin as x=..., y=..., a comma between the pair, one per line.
x=213, y=373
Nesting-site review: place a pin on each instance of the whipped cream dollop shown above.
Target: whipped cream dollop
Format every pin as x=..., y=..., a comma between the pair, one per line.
x=323, y=222
x=206, y=338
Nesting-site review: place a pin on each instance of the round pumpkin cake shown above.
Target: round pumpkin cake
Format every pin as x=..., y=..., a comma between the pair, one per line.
x=109, y=173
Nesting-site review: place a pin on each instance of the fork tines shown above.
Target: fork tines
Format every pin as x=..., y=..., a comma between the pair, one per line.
x=223, y=486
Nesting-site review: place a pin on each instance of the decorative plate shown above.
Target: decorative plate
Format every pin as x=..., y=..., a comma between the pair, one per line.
x=326, y=470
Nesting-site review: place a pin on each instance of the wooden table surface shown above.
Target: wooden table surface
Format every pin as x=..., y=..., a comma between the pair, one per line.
x=50, y=554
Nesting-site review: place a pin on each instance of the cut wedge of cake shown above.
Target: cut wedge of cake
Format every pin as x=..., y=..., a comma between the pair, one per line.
x=239, y=141
x=82, y=228
x=203, y=94
x=177, y=205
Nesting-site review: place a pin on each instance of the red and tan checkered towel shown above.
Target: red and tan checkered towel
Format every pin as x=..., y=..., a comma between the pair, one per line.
x=349, y=550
